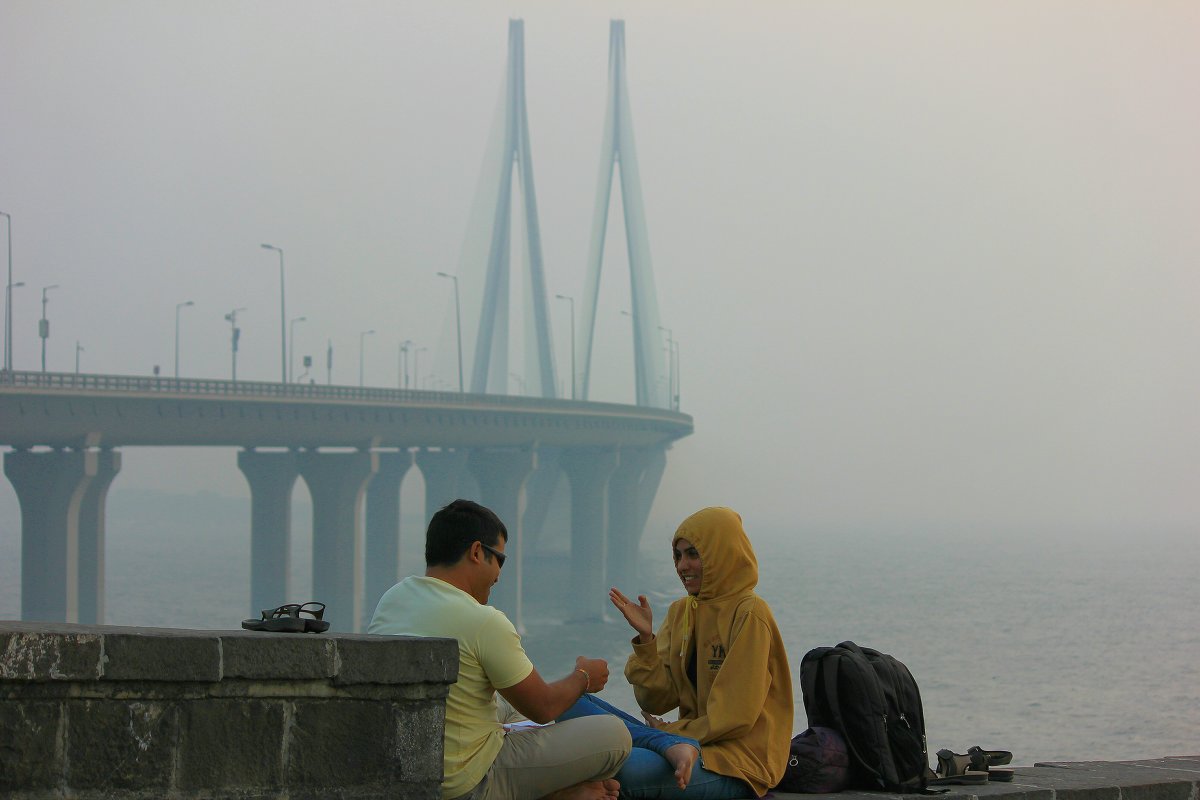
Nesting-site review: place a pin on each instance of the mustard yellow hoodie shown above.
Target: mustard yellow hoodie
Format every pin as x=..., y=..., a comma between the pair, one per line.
x=740, y=709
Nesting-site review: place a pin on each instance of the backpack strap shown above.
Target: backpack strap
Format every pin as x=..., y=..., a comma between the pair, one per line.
x=830, y=668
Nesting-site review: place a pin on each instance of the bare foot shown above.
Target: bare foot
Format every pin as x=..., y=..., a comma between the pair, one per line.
x=588, y=790
x=682, y=757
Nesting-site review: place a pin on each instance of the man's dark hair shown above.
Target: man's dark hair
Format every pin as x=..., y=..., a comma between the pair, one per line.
x=454, y=528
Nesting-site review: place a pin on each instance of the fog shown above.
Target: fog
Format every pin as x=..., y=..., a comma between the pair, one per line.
x=932, y=266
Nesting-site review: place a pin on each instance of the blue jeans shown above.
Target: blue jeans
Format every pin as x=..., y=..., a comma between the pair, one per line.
x=646, y=773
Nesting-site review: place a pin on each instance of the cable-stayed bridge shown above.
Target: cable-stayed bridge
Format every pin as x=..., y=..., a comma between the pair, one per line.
x=353, y=446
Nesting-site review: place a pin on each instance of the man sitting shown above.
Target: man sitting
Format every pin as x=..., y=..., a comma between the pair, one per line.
x=464, y=553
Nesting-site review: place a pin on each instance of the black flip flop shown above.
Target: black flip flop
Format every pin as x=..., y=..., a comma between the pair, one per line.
x=287, y=619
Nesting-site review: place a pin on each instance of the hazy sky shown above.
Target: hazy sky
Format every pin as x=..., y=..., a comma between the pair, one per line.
x=931, y=265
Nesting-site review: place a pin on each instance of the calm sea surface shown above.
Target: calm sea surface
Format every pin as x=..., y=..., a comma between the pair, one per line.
x=1054, y=650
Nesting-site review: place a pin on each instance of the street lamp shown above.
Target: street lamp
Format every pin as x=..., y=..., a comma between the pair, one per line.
x=670, y=366
x=292, y=347
x=402, y=364
x=417, y=367
x=44, y=324
x=179, y=306
x=234, y=334
x=571, y=300
x=457, y=325
x=8, y=300
x=78, y=350
x=8, y=343
x=361, y=336
x=283, y=363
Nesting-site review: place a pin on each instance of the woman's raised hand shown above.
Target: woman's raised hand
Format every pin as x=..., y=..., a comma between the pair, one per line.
x=638, y=615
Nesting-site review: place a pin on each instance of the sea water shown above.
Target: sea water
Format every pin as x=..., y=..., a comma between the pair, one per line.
x=1056, y=651
x=1060, y=648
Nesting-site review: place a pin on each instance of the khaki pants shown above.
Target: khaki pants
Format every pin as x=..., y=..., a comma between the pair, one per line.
x=537, y=761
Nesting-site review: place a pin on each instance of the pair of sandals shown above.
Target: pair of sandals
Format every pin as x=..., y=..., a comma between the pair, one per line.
x=973, y=767
x=290, y=618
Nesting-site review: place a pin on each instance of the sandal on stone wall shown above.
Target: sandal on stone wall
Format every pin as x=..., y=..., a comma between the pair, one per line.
x=986, y=760
x=287, y=619
x=955, y=768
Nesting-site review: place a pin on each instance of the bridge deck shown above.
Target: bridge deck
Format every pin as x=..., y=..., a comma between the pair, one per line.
x=55, y=409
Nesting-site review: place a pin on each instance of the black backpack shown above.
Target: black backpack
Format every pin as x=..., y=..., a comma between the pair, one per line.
x=872, y=700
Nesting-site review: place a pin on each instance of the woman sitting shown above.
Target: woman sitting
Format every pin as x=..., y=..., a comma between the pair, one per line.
x=719, y=659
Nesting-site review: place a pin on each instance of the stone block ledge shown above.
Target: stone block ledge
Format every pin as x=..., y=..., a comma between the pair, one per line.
x=91, y=711
x=58, y=652
x=1174, y=778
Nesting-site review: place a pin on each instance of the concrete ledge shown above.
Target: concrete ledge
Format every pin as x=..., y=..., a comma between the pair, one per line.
x=1176, y=778
x=104, y=711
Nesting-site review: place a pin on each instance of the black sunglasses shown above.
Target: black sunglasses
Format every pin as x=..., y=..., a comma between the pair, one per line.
x=499, y=556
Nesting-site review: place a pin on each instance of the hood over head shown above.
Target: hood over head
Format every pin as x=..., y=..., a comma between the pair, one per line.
x=730, y=566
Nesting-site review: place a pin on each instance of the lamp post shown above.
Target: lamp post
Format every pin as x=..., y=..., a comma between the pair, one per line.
x=44, y=324
x=417, y=367
x=8, y=300
x=8, y=343
x=402, y=376
x=457, y=325
x=361, y=336
x=179, y=306
x=235, y=333
x=670, y=366
x=571, y=300
x=292, y=347
x=283, y=363
x=78, y=350
x=676, y=395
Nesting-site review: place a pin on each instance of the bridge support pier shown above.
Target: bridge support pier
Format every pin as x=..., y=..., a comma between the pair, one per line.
x=272, y=476
x=588, y=469
x=441, y=470
x=62, y=530
x=383, y=526
x=631, y=492
x=501, y=475
x=92, y=515
x=337, y=482
x=539, y=494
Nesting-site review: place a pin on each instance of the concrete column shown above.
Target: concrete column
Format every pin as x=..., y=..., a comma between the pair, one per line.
x=383, y=526
x=50, y=487
x=337, y=482
x=588, y=469
x=91, y=537
x=501, y=475
x=272, y=476
x=539, y=494
x=631, y=491
x=441, y=470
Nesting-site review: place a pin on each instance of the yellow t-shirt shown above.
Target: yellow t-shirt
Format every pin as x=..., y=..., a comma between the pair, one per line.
x=490, y=657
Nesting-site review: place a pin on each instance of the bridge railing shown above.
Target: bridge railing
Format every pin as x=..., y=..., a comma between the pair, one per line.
x=82, y=382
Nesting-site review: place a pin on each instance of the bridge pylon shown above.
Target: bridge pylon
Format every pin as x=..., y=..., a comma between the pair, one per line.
x=489, y=368
x=617, y=150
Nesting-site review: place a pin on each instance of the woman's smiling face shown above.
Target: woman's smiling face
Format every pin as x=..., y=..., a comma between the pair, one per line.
x=688, y=566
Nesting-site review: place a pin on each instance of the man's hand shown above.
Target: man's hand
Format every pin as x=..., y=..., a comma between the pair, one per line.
x=543, y=702
x=597, y=672
x=638, y=615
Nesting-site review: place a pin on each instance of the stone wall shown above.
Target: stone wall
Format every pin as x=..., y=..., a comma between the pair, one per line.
x=99, y=711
